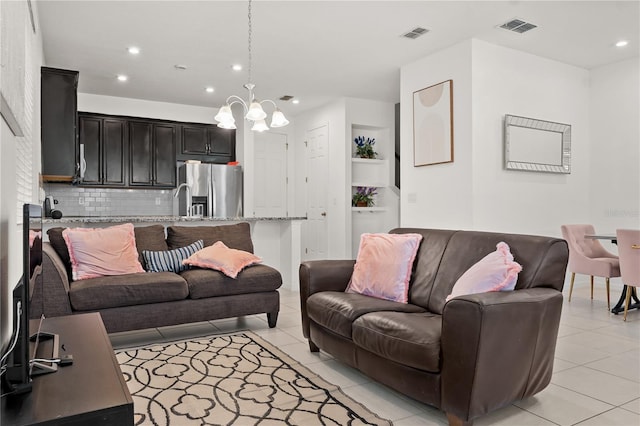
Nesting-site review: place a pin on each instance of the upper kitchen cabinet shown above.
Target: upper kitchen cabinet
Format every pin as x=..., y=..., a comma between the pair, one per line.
x=206, y=142
x=152, y=147
x=103, y=150
x=59, y=121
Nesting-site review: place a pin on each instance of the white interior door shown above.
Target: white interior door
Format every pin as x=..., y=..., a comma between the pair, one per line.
x=270, y=177
x=316, y=240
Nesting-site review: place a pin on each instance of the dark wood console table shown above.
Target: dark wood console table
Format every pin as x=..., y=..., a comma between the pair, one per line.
x=91, y=391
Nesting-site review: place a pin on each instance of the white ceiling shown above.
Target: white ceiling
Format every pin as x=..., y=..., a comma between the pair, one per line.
x=314, y=50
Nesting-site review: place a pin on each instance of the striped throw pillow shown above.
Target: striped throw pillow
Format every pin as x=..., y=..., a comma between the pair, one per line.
x=171, y=260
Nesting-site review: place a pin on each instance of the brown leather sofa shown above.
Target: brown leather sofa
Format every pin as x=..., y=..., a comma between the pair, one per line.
x=467, y=357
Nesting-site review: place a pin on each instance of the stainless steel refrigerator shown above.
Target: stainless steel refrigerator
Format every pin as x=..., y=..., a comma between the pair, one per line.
x=209, y=190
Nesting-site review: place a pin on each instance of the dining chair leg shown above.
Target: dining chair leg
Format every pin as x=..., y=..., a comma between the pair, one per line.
x=627, y=301
x=573, y=277
x=608, y=297
x=591, y=287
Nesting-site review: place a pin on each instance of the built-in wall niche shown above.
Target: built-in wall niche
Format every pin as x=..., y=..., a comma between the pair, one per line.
x=371, y=173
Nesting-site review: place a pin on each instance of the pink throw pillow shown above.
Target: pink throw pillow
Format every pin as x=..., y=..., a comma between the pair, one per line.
x=495, y=272
x=222, y=258
x=102, y=251
x=383, y=266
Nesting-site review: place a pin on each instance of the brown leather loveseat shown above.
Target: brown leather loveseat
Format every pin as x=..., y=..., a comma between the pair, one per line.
x=468, y=356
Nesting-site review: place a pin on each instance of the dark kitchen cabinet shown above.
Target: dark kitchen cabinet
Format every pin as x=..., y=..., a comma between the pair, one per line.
x=152, y=147
x=164, y=155
x=58, y=124
x=103, y=150
x=206, y=142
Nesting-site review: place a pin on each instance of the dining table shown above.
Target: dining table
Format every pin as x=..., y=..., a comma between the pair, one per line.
x=619, y=307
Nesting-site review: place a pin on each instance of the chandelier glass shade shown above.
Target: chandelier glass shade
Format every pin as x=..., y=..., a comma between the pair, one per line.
x=253, y=110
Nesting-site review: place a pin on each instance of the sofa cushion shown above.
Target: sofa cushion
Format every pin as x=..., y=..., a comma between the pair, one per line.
x=428, y=258
x=336, y=311
x=149, y=238
x=222, y=258
x=411, y=339
x=383, y=266
x=170, y=260
x=127, y=290
x=236, y=236
x=253, y=279
x=60, y=246
x=535, y=253
x=102, y=251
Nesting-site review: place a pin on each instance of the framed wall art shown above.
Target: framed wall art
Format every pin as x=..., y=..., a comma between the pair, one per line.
x=433, y=124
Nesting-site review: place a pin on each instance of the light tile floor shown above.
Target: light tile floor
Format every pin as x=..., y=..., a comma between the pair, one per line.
x=596, y=380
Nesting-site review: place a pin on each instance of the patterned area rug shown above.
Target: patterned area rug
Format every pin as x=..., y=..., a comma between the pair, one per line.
x=233, y=379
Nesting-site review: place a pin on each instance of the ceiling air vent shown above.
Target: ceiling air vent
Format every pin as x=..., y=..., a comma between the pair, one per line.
x=415, y=33
x=518, y=26
x=286, y=98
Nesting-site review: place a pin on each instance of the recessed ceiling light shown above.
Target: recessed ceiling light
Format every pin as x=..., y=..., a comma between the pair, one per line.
x=133, y=50
x=295, y=101
x=236, y=67
x=622, y=43
x=209, y=89
x=122, y=77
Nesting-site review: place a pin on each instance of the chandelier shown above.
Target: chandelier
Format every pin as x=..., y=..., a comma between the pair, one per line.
x=252, y=107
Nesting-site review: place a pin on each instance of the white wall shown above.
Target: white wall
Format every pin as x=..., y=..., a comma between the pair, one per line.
x=333, y=115
x=614, y=190
x=141, y=108
x=10, y=231
x=475, y=191
x=507, y=81
x=438, y=196
x=340, y=116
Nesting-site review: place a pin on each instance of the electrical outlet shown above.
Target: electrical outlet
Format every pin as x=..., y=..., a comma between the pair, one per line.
x=158, y=201
x=81, y=201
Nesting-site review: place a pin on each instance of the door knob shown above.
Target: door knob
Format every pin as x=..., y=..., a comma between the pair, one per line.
x=323, y=214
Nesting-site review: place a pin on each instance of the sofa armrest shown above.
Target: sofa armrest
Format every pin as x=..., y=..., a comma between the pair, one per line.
x=50, y=295
x=497, y=348
x=322, y=275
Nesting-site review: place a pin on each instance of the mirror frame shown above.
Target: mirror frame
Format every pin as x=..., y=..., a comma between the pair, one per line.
x=542, y=125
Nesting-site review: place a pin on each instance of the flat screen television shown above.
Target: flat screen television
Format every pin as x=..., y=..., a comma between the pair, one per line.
x=17, y=370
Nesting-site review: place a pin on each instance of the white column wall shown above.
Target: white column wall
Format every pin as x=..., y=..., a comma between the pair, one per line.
x=438, y=196
x=614, y=190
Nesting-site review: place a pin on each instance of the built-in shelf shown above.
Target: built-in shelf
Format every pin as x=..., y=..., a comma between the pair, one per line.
x=372, y=173
x=371, y=184
x=368, y=209
x=369, y=160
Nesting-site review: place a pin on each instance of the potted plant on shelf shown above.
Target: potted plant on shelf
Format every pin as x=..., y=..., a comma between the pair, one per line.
x=363, y=196
x=364, y=148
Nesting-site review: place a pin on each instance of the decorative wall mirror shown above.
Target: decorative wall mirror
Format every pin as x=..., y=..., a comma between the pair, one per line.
x=536, y=145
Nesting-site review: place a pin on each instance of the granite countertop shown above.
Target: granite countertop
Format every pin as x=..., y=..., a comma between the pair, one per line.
x=152, y=219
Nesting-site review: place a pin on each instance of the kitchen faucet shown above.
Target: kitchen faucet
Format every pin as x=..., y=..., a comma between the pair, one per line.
x=188, y=189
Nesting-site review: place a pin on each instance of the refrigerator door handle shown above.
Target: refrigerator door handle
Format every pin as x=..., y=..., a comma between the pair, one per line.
x=212, y=197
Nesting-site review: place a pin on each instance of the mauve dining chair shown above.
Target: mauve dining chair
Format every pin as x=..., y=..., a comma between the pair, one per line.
x=589, y=257
x=629, y=254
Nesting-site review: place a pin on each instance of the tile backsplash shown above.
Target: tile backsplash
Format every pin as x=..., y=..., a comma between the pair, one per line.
x=83, y=201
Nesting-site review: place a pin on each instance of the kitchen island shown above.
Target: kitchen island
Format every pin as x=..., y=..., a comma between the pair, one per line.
x=277, y=240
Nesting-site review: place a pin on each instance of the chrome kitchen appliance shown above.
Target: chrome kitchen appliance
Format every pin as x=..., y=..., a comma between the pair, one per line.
x=209, y=190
